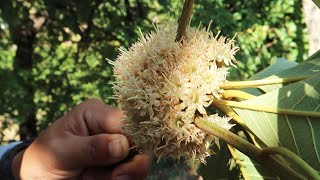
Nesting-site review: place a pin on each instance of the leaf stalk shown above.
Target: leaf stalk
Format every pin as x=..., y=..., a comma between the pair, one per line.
x=243, y=105
x=261, y=82
x=237, y=94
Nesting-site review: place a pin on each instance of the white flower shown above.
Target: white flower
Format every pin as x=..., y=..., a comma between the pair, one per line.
x=162, y=85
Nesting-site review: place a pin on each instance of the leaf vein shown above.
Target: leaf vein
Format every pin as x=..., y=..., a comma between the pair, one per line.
x=264, y=177
x=293, y=137
x=268, y=120
x=317, y=108
x=313, y=140
x=258, y=127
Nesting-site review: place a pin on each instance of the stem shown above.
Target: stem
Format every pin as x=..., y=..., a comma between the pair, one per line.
x=248, y=149
x=237, y=94
x=303, y=166
x=242, y=105
x=262, y=82
x=184, y=19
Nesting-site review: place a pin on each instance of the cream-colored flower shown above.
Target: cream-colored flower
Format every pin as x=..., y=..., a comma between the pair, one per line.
x=163, y=85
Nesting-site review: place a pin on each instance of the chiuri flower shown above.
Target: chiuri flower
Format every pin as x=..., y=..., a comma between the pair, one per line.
x=163, y=85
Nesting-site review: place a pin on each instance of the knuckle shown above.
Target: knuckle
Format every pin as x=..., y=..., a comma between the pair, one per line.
x=87, y=107
x=87, y=114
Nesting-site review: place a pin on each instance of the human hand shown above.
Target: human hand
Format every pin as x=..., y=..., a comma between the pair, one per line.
x=86, y=143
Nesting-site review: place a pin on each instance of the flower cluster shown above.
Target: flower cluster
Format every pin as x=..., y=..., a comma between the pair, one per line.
x=163, y=85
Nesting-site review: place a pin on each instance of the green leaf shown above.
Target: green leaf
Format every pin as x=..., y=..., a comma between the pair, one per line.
x=314, y=56
x=309, y=68
x=280, y=65
x=300, y=134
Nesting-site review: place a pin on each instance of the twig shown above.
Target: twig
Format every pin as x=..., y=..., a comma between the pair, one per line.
x=184, y=19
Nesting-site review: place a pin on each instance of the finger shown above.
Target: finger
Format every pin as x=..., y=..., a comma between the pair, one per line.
x=138, y=168
x=94, y=117
x=100, y=150
x=96, y=174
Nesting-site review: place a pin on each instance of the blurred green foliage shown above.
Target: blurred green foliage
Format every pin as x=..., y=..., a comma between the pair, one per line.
x=53, y=53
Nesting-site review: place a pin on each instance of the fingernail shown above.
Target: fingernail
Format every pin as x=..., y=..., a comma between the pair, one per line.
x=116, y=148
x=122, y=177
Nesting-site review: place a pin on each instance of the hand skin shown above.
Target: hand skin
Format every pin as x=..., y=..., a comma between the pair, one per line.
x=86, y=143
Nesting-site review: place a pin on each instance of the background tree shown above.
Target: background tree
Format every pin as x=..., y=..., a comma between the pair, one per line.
x=53, y=52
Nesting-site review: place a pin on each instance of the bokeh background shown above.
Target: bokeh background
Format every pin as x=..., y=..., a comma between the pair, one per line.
x=53, y=52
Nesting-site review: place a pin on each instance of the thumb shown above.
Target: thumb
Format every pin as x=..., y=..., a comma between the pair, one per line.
x=102, y=149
